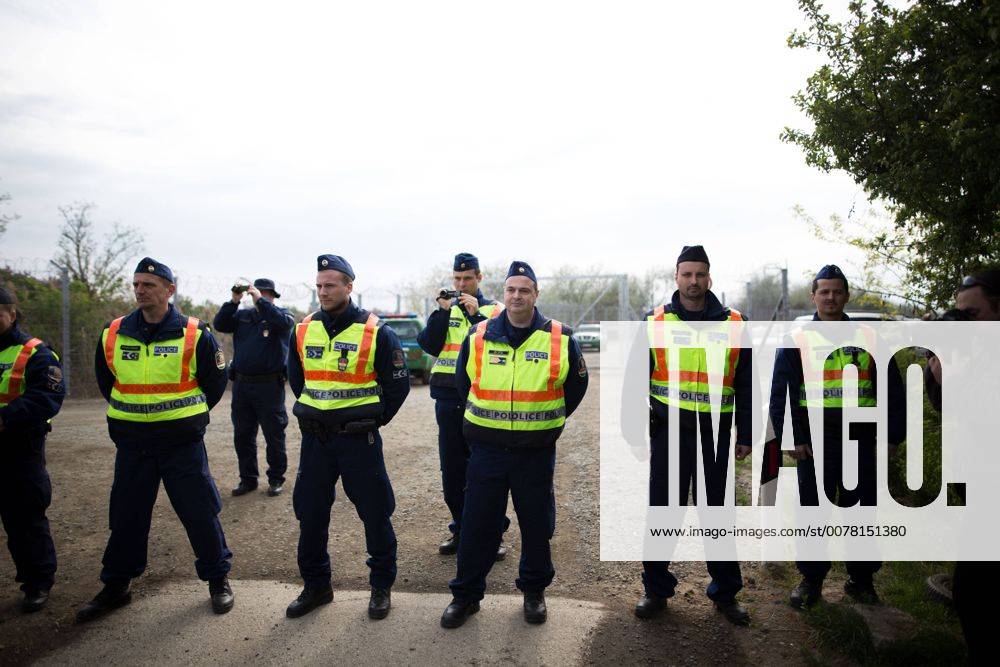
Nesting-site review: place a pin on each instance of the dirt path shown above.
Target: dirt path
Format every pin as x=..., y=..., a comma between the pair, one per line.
x=262, y=532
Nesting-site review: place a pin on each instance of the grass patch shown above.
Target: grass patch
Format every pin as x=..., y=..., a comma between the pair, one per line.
x=903, y=584
x=841, y=629
x=928, y=647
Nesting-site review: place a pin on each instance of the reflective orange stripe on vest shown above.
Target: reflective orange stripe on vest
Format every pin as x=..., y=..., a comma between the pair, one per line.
x=550, y=394
x=662, y=374
x=358, y=376
x=17, y=370
x=187, y=382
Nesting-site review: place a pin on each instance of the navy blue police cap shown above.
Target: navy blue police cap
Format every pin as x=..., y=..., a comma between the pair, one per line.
x=831, y=271
x=465, y=261
x=693, y=253
x=334, y=263
x=150, y=265
x=7, y=298
x=519, y=268
x=266, y=284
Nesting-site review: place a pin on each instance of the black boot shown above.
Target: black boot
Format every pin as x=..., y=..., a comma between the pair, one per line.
x=111, y=597
x=379, y=605
x=734, y=612
x=275, y=488
x=309, y=599
x=35, y=598
x=806, y=594
x=450, y=546
x=862, y=592
x=501, y=552
x=458, y=612
x=244, y=487
x=534, y=607
x=650, y=606
x=222, y=595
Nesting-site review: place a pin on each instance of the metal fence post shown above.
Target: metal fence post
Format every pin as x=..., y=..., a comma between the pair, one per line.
x=64, y=279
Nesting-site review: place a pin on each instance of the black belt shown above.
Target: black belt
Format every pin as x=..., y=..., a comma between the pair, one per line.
x=266, y=377
x=313, y=427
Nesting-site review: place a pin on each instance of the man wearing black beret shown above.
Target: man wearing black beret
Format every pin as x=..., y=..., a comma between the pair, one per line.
x=446, y=328
x=31, y=393
x=349, y=375
x=521, y=375
x=694, y=301
x=160, y=372
x=260, y=352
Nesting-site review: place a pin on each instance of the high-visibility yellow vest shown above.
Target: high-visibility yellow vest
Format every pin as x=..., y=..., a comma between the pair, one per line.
x=695, y=382
x=518, y=389
x=154, y=382
x=339, y=372
x=458, y=329
x=13, y=362
x=823, y=371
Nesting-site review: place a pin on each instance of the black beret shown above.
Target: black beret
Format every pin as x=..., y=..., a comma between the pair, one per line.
x=150, y=265
x=266, y=283
x=334, y=263
x=465, y=261
x=831, y=271
x=693, y=253
x=7, y=298
x=519, y=268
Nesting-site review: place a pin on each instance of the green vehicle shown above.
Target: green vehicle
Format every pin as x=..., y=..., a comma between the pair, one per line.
x=407, y=326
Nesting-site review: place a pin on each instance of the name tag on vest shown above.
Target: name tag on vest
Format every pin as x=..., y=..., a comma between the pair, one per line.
x=350, y=347
x=314, y=351
x=130, y=352
x=536, y=355
x=165, y=349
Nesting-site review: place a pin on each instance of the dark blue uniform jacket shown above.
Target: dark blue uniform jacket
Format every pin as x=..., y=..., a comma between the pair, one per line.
x=390, y=368
x=26, y=418
x=211, y=379
x=502, y=331
x=788, y=379
x=253, y=352
x=432, y=340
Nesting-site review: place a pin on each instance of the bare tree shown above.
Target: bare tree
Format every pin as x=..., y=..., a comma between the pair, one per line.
x=6, y=218
x=101, y=267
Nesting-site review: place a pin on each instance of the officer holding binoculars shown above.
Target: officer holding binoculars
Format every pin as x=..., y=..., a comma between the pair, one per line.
x=260, y=345
x=459, y=310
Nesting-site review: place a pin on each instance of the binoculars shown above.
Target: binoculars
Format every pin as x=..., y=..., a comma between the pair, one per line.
x=449, y=294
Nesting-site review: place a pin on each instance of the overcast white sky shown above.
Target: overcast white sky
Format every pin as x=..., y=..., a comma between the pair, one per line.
x=246, y=138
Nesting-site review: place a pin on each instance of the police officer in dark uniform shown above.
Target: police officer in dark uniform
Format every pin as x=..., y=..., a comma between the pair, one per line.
x=520, y=375
x=161, y=372
x=830, y=294
x=349, y=375
x=260, y=353
x=446, y=328
x=694, y=301
x=31, y=393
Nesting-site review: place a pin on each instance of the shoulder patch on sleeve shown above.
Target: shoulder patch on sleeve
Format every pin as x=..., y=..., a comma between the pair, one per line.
x=54, y=378
x=398, y=359
x=582, y=367
x=220, y=360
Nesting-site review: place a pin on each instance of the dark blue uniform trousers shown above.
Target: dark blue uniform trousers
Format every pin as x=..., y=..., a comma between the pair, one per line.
x=25, y=494
x=453, y=452
x=260, y=403
x=657, y=579
x=355, y=459
x=866, y=491
x=494, y=471
x=193, y=495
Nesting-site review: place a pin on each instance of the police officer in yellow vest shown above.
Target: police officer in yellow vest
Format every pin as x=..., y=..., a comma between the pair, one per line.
x=31, y=393
x=446, y=328
x=521, y=375
x=694, y=301
x=161, y=372
x=349, y=375
x=810, y=370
